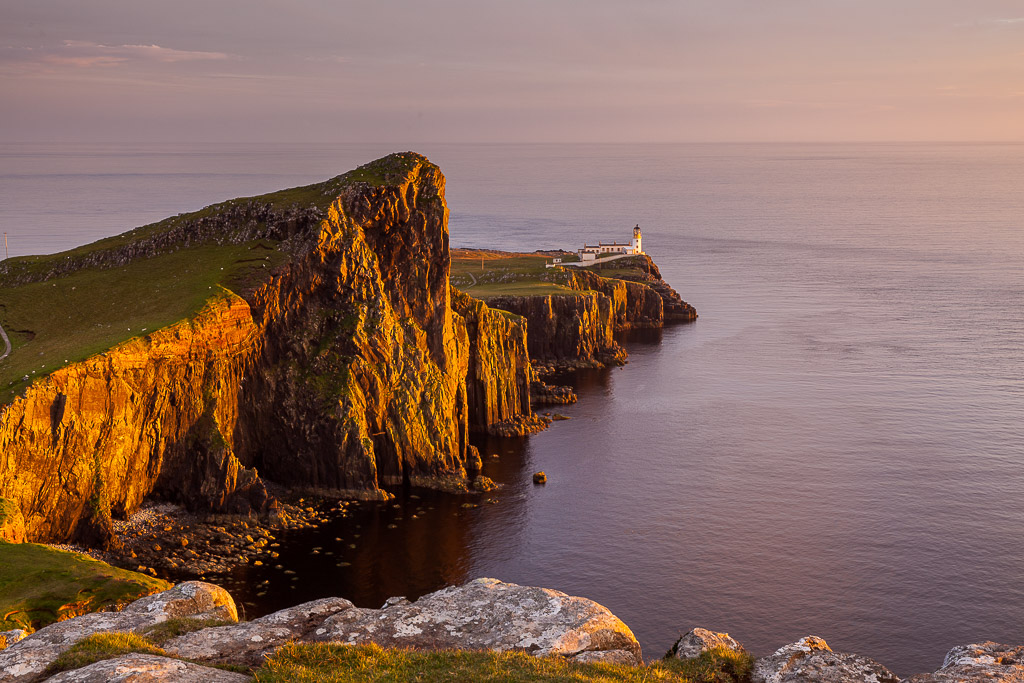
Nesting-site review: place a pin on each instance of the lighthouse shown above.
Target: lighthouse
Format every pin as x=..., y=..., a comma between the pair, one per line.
x=636, y=246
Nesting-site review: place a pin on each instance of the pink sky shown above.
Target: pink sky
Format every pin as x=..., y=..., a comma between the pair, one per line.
x=530, y=70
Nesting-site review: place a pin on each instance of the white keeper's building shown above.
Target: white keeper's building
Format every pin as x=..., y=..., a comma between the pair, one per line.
x=590, y=252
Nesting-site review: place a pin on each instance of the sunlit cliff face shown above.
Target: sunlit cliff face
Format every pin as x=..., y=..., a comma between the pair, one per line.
x=527, y=71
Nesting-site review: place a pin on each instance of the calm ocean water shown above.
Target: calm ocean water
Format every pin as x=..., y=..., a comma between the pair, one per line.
x=836, y=447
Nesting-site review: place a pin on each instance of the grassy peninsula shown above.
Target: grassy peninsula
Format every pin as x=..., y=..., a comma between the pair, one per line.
x=40, y=585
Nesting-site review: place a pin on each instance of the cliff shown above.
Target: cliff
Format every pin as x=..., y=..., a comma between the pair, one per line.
x=499, y=373
x=344, y=367
x=310, y=336
x=578, y=328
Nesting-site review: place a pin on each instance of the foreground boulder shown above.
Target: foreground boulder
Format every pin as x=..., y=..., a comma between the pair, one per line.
x=692, y=643
x=246, y=643
x=487, y=614
x=27, y=659
x=989, y=662
x=811, y=660
x=140, y=668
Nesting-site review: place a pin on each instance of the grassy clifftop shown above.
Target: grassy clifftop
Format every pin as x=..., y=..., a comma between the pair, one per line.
x=40, y=585
x=485, y=274
x=62, y=308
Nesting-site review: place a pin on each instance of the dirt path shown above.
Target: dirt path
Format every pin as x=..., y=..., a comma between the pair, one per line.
x=7, y=344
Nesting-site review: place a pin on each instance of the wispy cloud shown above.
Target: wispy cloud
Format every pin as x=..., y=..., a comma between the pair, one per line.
x=84, y=54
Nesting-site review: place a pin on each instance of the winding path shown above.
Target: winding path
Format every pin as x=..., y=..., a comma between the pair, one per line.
x=7, y=344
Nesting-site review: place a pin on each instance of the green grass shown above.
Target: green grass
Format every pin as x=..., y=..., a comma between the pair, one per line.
x=68, y=319
x=100, y=646
x=487, y=274
x=40, y=585
x=334, y=663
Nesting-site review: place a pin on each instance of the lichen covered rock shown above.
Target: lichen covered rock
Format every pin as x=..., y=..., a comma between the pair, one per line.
x=27, y=659
x=246, y=643
x=811, y=660
x=487, y=614
x=695, y=641
x=143, y=668
x=986, y=662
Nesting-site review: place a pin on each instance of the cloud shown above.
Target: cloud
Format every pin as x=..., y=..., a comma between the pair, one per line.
x=84, y=54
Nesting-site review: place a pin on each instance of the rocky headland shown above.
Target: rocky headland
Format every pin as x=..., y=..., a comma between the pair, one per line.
x=347, y=366
x=182, y=633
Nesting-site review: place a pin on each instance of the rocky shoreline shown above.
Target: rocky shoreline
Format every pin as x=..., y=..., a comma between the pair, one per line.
x=484, y=614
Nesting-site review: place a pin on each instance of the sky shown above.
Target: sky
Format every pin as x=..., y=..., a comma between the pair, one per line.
x=511, y=71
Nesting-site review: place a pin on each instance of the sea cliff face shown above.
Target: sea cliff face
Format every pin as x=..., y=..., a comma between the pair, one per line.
x=101, y=434
x=347, y=369
x=349, y=366
x=579, y=329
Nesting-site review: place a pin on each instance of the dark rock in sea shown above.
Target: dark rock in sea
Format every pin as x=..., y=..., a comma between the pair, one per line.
x=484, y=484
x=474, y=463
x=811, y=660
x=540, y=478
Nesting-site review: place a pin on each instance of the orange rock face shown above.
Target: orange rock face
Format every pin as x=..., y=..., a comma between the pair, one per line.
x=347, y=370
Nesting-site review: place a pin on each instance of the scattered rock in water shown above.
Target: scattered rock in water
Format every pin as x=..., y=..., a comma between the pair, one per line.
x=811, y=660
x=540, y=478
x=692, y=643
x=484, y=484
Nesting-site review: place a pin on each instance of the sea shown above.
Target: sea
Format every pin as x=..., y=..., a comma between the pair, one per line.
x=835, y=447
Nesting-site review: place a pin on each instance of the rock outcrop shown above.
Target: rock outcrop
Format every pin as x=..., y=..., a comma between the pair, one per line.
x=27, y=659
x=811, y=660
x=691, y=644
x=346, y=369
x=986, y=662
x=578, y=330
x=12, y=523
x=567, y=329
x=142, y=668
x=499, y=373
x=487, y=614
x=643, y=270
x=351, y=366
x=246, y=643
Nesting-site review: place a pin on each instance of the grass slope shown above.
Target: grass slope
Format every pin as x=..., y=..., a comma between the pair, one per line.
x=40, y=585
x=336, y=663
x=67, y=319
x=486, y=274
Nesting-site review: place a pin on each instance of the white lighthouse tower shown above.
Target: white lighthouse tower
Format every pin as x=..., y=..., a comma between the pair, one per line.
x=636, y=246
